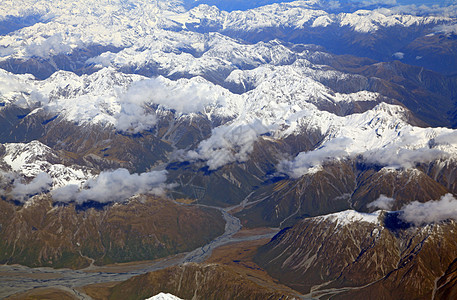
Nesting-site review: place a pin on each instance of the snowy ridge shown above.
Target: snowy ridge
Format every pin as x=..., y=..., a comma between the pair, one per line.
x=71, y=24
x=257, y=89
x=34, y=158
x=281, y=101
x=300, y=14
x=68, y=25
x=21, y=154
x=33, y=168
x=381, y=135
x=348, y=217
x=106, y=96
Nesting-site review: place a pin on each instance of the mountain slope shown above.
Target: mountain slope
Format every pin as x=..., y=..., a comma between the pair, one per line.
x=352, y=255
x=193, y=281
x=44, y=234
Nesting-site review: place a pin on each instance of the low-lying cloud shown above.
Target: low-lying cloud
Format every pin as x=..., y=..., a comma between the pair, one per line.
x=304, y=161
x=184, y=96
x=419, y=213
x=383, y=202
x=391, y=157
x=113, y=186
x=447, y=29
x=22, y=191
x=52, y=45
x=449, y=138
x=228, y=143
x=396, y=157
x=398, y=55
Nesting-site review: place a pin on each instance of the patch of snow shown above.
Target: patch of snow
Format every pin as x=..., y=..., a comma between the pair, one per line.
x=164, y=296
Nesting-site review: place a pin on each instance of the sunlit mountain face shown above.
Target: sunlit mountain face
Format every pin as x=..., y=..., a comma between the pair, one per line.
x=228, y=149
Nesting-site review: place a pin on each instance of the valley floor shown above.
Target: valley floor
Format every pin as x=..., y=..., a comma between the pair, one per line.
x=19, y=282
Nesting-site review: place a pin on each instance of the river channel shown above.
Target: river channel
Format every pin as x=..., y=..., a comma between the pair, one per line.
x=15, y=278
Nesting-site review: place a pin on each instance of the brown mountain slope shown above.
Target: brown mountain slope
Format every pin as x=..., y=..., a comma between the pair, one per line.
x=446, y=286
x=359, y=259
x=342, y=185
x=64, y=236
x=194, y=281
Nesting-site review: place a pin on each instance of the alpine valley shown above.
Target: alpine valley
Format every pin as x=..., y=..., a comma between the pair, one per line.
x=228, y=149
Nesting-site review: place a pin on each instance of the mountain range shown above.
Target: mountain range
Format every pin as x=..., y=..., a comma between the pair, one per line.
x=129, y=128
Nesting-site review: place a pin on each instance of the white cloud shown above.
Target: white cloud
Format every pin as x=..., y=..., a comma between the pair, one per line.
x=399, y=55
x=6, y=51
x=304, y=161
x=421, y=10
x=113, y=186
x=432, y=211
x=228, y=143
x=384, y=2
x=447, y=29
x=397, y=157
x=183, y=96
x=22, y=191
x=383, y=202
x=52, y=45
x=449, y=138
x=134, y=117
